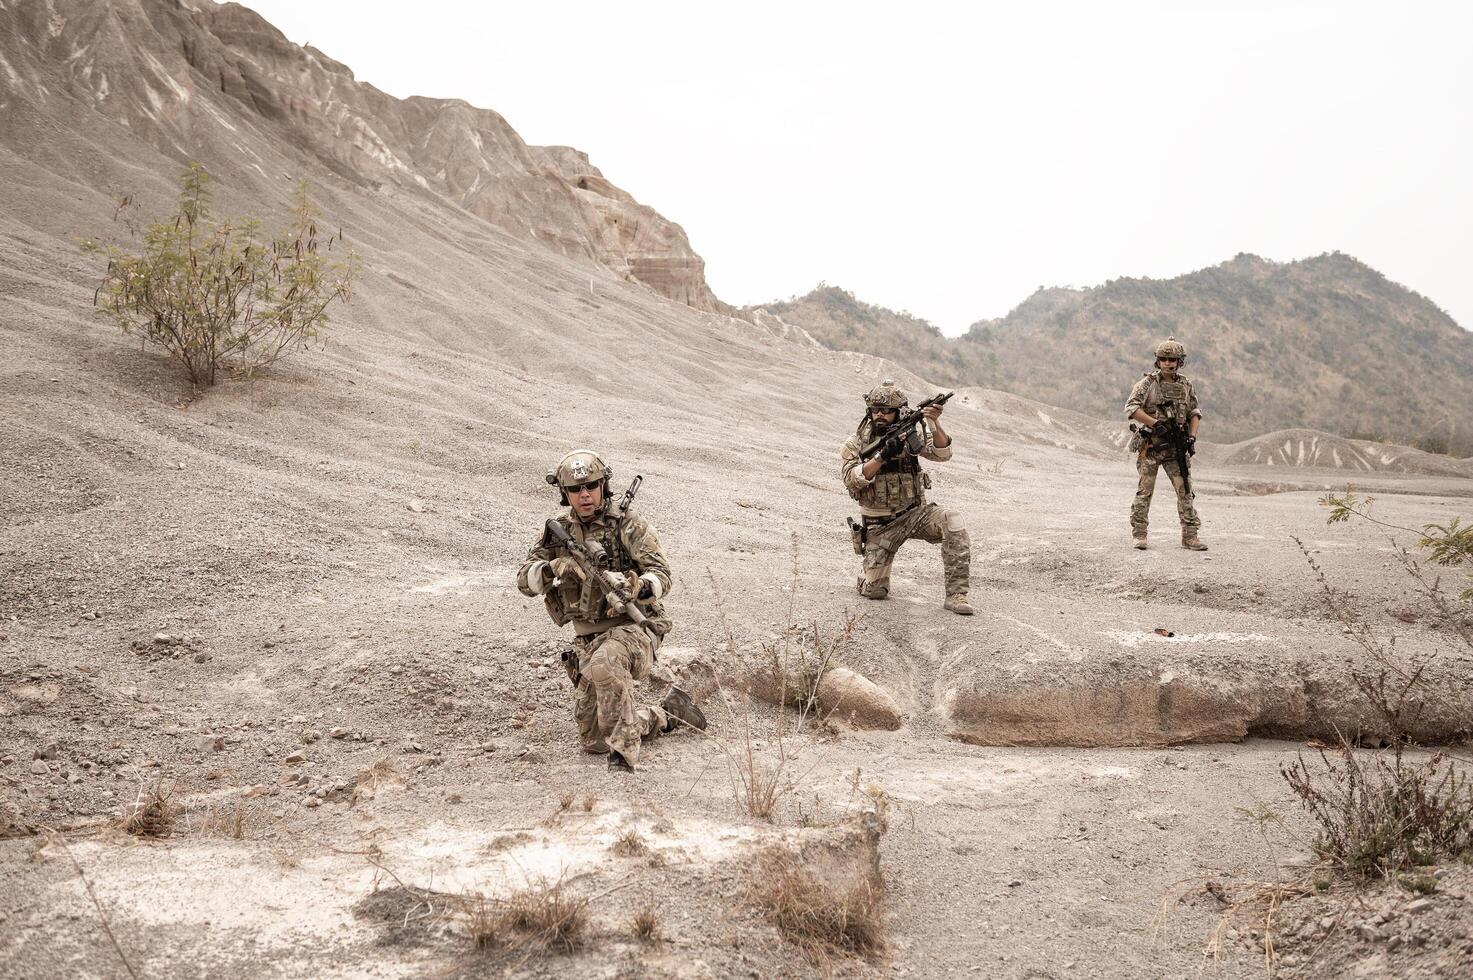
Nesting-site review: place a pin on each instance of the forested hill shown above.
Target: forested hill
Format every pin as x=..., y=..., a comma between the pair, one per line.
x=1326, y=343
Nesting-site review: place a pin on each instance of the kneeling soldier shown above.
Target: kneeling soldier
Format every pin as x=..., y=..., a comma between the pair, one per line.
x=616, y=640
x=891, y=491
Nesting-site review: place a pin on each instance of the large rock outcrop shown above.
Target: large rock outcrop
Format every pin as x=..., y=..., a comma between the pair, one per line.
x=218, y=84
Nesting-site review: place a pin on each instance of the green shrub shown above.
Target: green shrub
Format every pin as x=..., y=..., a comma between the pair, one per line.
x=213, y=293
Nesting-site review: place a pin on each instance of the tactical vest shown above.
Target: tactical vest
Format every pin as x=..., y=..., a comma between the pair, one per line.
x=578, y=602
x=900, y=482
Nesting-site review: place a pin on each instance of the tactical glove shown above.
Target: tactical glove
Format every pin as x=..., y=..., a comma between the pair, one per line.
x=892, y=447
x=637, y=586
x=565, y=566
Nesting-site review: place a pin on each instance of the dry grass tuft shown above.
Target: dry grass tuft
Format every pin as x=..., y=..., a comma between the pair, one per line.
x=481, y=921
x=371, y=780
x=224, y=820
x=818, y=918
x=646, y=923
x=589, y=802
x=547, y=915
x=565, y=802
x=151, y=814
x=629, y=844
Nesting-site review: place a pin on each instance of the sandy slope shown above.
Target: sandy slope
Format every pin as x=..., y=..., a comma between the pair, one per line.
x=336, y=540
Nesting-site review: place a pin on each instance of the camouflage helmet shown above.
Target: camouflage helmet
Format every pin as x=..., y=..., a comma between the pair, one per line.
x=886, y=394
x=1171, y=347
x=579, y=466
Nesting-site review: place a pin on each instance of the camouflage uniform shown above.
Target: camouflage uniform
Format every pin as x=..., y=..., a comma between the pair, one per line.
x=1152, y=393
x=895, y=510
x=610, y=652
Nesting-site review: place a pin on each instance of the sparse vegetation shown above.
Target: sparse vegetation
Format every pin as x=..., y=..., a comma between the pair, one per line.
x=789, y=669
x=1446, y=545
x=1385, y=814
x=646, y=923
x=151, y=814
x=372, y=780
x=817, y=917
x=221, y=819
x=213, y=293
x=631, y=843
x=547, y=915
x=1384, y=817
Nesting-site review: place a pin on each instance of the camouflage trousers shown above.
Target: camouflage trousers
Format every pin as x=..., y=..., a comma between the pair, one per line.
x=1147, y=466
x=928, y=522
x=608, y=665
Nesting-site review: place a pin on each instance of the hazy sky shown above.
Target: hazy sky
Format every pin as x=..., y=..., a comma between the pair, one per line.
x=949, y=158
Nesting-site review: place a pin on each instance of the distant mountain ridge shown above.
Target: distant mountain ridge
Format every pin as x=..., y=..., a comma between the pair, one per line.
x=218, y=84
x=1326, y=343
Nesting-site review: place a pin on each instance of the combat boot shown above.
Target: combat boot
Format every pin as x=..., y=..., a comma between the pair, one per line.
x=1193, y=544
x=617, y=763
x=681, y=710
x=1140, y=542
x=959, y=605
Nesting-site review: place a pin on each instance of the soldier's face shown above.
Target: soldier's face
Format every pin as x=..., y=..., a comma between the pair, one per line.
x=881, y=415
x=1168, y=365
x=586, y=498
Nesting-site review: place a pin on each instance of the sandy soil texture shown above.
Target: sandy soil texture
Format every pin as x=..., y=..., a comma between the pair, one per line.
x=289, y=602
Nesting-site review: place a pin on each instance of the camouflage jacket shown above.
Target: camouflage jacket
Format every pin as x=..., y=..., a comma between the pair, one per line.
x=900, y=482
x=631, y=545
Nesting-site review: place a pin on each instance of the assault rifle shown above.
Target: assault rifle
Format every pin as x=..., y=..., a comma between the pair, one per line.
x=1178, y=439
x=902, y=426
x=592, y=560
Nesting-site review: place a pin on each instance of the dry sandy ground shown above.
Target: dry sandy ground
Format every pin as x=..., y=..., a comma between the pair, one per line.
x=332, y=547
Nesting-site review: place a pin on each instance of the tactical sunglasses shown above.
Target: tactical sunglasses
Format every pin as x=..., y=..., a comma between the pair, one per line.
x=580, y=487
x=1169, y=360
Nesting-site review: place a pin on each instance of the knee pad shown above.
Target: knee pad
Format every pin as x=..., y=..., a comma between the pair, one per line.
x=598, y=673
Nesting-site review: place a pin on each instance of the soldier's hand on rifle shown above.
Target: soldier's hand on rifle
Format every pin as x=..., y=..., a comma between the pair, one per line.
x=636, y=586
x=932, y=412
x=565, y=566
x=893, y=446
x=1191, y=445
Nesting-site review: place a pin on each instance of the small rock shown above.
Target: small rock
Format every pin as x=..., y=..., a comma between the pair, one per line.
x=73, y=778
x=200, y=658
x=532, y=756
x=313, y=802
x=40, y=768
x=1015, y=883
x=1440, y=874
x=417, y=506
x=1418, y=906
x=164, y=639
x=211, y=743
x=295, y=759
x=48, y=750
x=89, y=616
x=338, y=732
x=308, y=737
x=1327, y=923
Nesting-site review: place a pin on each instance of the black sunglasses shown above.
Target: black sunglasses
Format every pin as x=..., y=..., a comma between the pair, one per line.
x=580, y=487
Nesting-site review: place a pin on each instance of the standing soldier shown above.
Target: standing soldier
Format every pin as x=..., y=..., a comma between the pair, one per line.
x=891, y=491
x=611, y=650
x=1163, y=395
